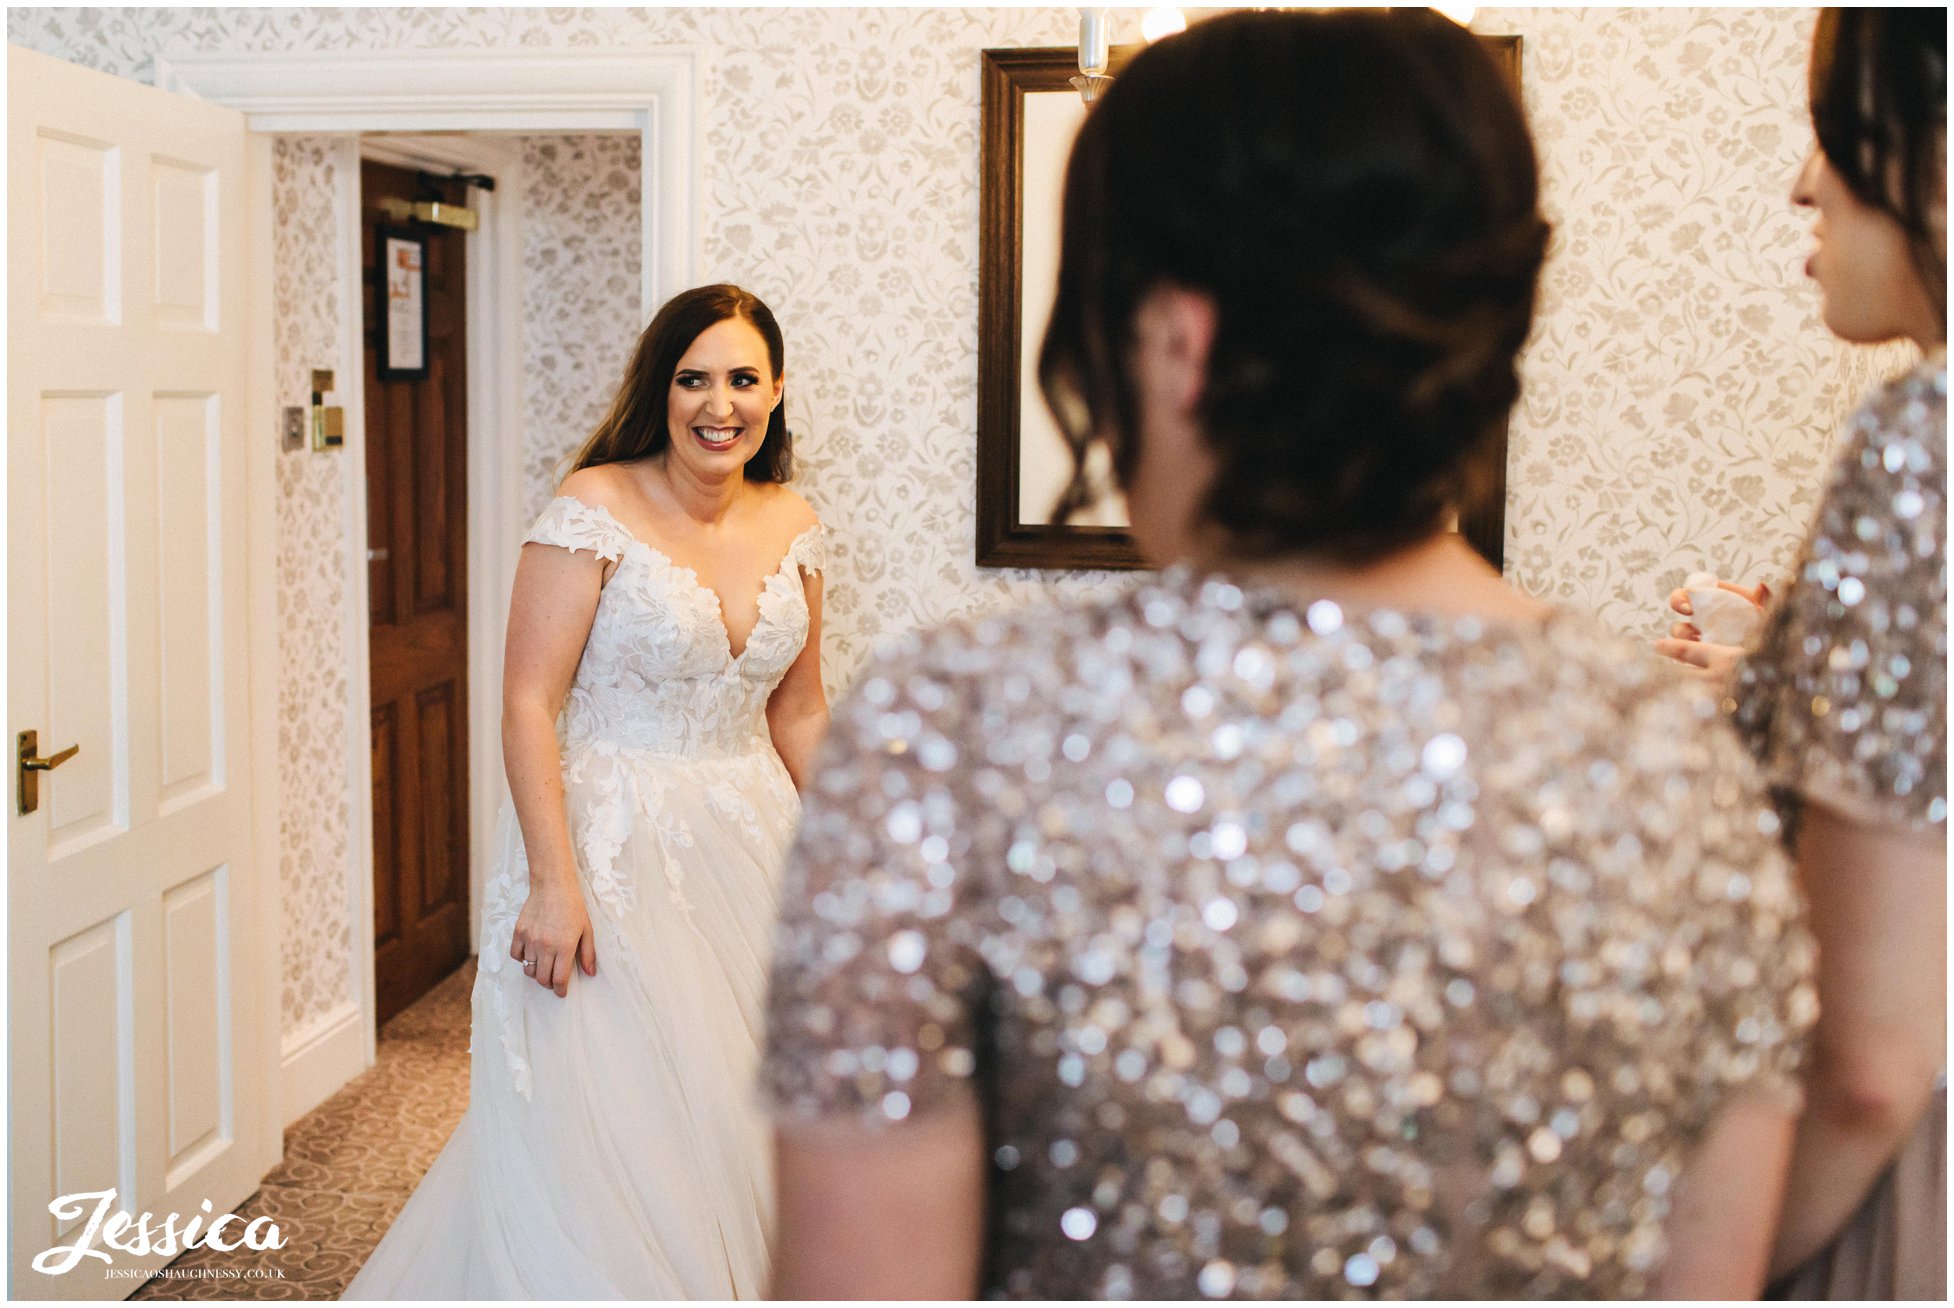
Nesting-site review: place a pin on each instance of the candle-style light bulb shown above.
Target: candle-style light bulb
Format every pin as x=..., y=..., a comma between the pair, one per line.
x=1094, y=49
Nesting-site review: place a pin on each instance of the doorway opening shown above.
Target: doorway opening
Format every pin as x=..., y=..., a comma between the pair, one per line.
x=529, y=319
x=414, y=335
x=436, y=106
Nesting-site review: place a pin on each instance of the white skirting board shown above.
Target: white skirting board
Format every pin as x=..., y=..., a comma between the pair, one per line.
x=318, y=1059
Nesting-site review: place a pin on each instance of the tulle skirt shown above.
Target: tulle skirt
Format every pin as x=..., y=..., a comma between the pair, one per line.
x=613, y=1145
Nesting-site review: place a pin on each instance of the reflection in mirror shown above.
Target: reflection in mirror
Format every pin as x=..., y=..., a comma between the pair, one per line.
x=1051, y=122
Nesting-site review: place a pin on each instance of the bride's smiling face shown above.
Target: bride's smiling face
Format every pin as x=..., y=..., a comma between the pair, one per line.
x=723, y=392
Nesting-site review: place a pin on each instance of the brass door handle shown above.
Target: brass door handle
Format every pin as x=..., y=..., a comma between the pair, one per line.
x=31, y=763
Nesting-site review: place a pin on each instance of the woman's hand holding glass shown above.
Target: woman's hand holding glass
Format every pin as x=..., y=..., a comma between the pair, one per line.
x=1685, y=643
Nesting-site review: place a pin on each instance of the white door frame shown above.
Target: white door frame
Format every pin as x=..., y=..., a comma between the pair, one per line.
x=651, y=92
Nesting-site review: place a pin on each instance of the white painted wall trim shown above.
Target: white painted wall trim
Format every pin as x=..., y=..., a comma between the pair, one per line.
x=350, y=379
x=652, y=92
x=315, y=1059
x=258, y=997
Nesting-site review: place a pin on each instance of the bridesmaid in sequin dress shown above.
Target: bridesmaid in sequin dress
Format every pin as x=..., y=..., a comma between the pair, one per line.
x=1319, y=917
x=1844, y=700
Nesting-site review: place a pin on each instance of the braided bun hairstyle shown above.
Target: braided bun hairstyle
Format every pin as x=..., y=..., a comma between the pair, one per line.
x=1357, y=194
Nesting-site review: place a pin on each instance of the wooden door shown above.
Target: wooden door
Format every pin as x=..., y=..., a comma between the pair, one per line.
x=135, y=912
x=417, y=590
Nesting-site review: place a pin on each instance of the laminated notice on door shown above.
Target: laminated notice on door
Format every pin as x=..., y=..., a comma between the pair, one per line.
x=406, y=310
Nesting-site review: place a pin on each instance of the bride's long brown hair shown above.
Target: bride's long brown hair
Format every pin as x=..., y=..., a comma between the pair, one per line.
x=637, y=427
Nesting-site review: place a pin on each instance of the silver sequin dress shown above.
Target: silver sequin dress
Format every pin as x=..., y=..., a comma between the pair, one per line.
x=1845, y=698
x=1845, y=703
x=1290, y=951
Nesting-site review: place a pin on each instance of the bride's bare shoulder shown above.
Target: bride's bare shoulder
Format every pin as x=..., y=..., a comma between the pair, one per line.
x=602, y=485
x=788, y=509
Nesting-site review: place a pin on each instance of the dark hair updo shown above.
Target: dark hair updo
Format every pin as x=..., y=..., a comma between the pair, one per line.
x=1357, y=194
x=638, y=424
x=1879, y=108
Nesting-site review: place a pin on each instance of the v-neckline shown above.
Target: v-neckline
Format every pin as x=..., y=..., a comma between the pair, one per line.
x=690, y=574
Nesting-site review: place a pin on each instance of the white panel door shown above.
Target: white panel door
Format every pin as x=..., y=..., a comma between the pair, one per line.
x=135, y=1059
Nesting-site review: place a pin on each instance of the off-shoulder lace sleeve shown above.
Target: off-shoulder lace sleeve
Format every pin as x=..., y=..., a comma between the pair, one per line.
x=1844, y=701
x=809, y=552
x=573, y=525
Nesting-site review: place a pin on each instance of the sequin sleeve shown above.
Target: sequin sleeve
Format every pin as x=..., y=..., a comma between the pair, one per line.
x=876, y=984
x=1844, y=700
x=1741, y=920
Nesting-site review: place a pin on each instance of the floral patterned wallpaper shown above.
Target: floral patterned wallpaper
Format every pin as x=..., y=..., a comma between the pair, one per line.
x=582, y=252
x=313, y=494
x=1680, y=393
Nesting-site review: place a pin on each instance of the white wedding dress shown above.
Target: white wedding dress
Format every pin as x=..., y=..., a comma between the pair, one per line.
x=614, y=1146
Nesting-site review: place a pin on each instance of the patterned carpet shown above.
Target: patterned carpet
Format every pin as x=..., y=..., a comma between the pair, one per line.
x=349, y=1164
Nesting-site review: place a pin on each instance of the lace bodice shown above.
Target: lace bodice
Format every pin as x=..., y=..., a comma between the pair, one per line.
x=658, y=671
x=608, y=1145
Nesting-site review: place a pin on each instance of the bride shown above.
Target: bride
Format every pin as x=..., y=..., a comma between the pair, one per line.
x=612, y=1145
